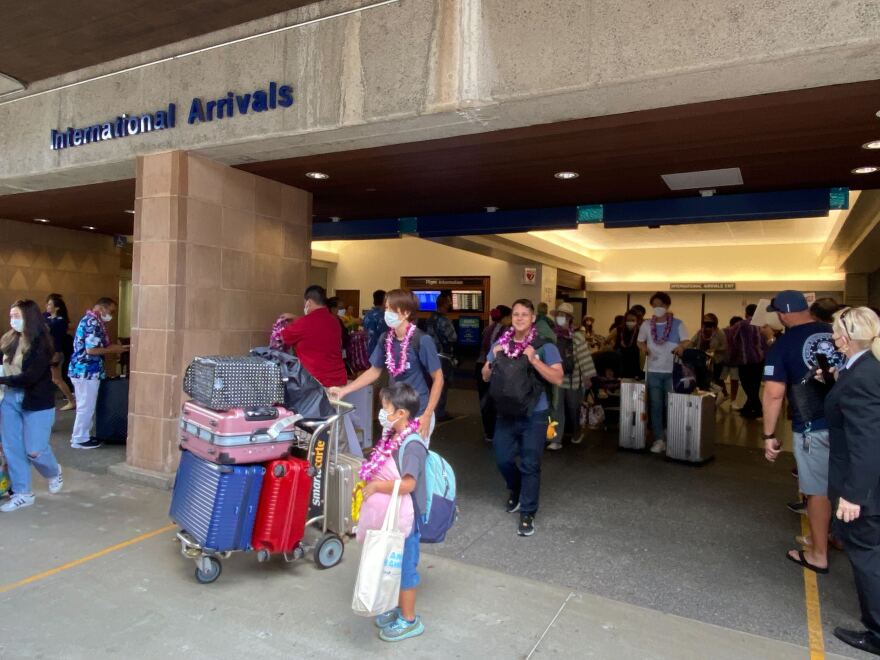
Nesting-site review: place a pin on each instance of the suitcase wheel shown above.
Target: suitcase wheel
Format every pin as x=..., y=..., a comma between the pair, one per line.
x=208, y=569
x=279, y=470
x=328, y=551
x=262, y=555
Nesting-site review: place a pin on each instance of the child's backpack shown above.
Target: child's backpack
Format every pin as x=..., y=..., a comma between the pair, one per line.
x=440, y=509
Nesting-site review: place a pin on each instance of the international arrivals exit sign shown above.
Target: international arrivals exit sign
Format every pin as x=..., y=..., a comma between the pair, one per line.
x=703, y=286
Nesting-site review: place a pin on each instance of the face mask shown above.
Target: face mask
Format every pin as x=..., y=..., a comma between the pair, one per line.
x=340, y=313
x=392, y=319
x=659, y=311
x=561, y=321
x=630, y=324
x=17, y=324
x=384, y=421
x=708, y=326
x=106, y=318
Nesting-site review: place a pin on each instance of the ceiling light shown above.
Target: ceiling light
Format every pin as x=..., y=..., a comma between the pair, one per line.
x=129, y=211
x=335, y=218
x=867, y=169
x=566, y=175
x=89, y=227
x=42, y=220
x=317, y=175
x=491, y=209
x=873, y=144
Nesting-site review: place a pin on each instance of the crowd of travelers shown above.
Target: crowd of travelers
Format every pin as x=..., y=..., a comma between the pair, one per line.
x=535, y=370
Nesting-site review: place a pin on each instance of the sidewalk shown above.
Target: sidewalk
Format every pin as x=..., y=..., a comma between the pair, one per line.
x=142, y=601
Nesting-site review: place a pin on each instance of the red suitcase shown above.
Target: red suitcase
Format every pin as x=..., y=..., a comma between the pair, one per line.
x=240, y=435
x=284, y=504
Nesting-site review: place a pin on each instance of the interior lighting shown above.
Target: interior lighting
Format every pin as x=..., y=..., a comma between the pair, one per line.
x=89, y=227
x=41, y=220
x=867, y=169
x=335, y=218
x=317, y=175
x=873, y=144
x=566, y=175
x=129, y=211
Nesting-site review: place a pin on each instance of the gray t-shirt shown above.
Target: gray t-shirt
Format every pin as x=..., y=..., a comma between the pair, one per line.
x=412, y=463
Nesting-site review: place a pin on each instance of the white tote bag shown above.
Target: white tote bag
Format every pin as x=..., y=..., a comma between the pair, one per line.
x=378, y=582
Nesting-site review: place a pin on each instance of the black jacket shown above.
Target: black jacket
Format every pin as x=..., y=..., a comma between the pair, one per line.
x=35, y=378
x=852, y=410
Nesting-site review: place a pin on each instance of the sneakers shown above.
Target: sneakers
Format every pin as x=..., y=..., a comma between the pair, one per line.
x=526, y=525
x=555, y=445
x=94, y=443
x=56, y=483
x=402, y=629
x=658, y=447
x=512, y=504
x=389, y=617
x=18, y=501
x=799, y=508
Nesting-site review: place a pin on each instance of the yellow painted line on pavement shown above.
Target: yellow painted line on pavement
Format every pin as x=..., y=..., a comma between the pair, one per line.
x=814, y=611
x=78, y=562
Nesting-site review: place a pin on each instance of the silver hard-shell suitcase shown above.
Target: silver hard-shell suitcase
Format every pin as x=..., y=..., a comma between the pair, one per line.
x=343, y=477
x=633, y=414
x=690, y=433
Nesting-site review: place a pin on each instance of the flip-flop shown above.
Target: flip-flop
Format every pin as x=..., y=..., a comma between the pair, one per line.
x=802, y=561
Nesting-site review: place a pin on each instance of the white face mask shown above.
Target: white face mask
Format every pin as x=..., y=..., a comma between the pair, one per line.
x=306, y=309
x=392, y=319
x=630, y=324
x=659, y=311
x=106, y=318
x=17, y=324
x=384, y=421
x=561, y=321
x=340, y=313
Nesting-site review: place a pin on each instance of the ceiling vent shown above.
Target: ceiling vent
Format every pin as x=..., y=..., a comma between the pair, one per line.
x=730, y=176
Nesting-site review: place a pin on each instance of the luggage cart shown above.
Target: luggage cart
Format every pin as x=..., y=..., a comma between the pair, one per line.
x=319, y=439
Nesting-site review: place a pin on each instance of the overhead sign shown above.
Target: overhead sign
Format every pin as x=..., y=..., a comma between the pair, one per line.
x=124, y=125
x=703, y=286
x=530, y=275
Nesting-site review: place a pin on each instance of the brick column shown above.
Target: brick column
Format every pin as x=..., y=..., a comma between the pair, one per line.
x=218, y=254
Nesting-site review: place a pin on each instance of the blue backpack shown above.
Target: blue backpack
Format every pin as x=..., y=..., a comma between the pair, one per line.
x=440, y=510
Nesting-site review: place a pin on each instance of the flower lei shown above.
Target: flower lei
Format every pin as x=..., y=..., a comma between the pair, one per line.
x=666, y=332
x=397, y=369
x=389, y=444
x=513, y=349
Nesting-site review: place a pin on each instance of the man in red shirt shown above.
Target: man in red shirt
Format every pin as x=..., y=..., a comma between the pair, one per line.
x=316, y=338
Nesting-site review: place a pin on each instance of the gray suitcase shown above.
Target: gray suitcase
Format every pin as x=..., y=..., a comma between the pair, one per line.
x=690, y=433
x=633, y=414
x=343, y=477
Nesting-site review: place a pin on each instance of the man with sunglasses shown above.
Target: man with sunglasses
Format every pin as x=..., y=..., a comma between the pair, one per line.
x=805, y=343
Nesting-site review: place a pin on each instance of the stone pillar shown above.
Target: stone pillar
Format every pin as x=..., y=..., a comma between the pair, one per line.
x=218, y=254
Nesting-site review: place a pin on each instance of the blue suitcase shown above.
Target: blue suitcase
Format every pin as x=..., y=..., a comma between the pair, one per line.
x=216, y=504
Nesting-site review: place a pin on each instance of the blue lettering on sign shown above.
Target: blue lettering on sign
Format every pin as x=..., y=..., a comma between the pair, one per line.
x=260, y=100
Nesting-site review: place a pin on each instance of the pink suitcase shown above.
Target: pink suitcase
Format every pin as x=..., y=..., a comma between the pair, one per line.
x=242, y=435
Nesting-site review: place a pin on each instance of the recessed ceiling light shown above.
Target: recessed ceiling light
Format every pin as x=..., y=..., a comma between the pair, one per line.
x=335, y=218
x=873, y=144
x=89, y=227
x=566, y=175
x=129, y=211
x=42, y=220
x=317, y=175
x=867, y=169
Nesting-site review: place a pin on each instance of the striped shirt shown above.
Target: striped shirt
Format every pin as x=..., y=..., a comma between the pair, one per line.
x=584, y=369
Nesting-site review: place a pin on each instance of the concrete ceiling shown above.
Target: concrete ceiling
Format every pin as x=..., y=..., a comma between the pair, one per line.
x=44, y=38
x=788, y=140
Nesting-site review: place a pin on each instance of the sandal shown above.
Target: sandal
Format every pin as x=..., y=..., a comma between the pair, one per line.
x=802, y=561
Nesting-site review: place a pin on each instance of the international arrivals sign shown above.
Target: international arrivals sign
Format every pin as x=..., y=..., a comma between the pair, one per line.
x=200, y=111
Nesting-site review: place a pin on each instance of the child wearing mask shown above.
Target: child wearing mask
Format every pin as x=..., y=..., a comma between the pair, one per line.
x=408, y=354
x=399, y=419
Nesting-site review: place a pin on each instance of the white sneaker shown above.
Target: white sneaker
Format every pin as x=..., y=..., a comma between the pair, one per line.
x=56, y=483
x=555, y=445
x=658, y=447
x=18, y=501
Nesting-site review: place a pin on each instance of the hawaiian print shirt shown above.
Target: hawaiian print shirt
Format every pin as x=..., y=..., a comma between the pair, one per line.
x=90, y=333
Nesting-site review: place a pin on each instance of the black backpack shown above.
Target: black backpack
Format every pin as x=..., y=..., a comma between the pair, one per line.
x=566, y=350
x=515, y=386
x=302, y=392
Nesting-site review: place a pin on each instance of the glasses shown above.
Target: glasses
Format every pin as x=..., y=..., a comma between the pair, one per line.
x=849, y=327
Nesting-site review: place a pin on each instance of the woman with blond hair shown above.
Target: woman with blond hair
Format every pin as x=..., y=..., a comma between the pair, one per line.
x=852, y=410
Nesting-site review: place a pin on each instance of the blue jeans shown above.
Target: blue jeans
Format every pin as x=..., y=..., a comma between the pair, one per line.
x=409, y=569
x=521, y=437
x=659, y=386
x=26, y=436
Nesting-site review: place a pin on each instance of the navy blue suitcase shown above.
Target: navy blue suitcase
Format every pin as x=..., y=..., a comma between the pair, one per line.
x=216, y=504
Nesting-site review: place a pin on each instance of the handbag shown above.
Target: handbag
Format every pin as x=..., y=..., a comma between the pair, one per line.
x=807, y=398
x=377, y=589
